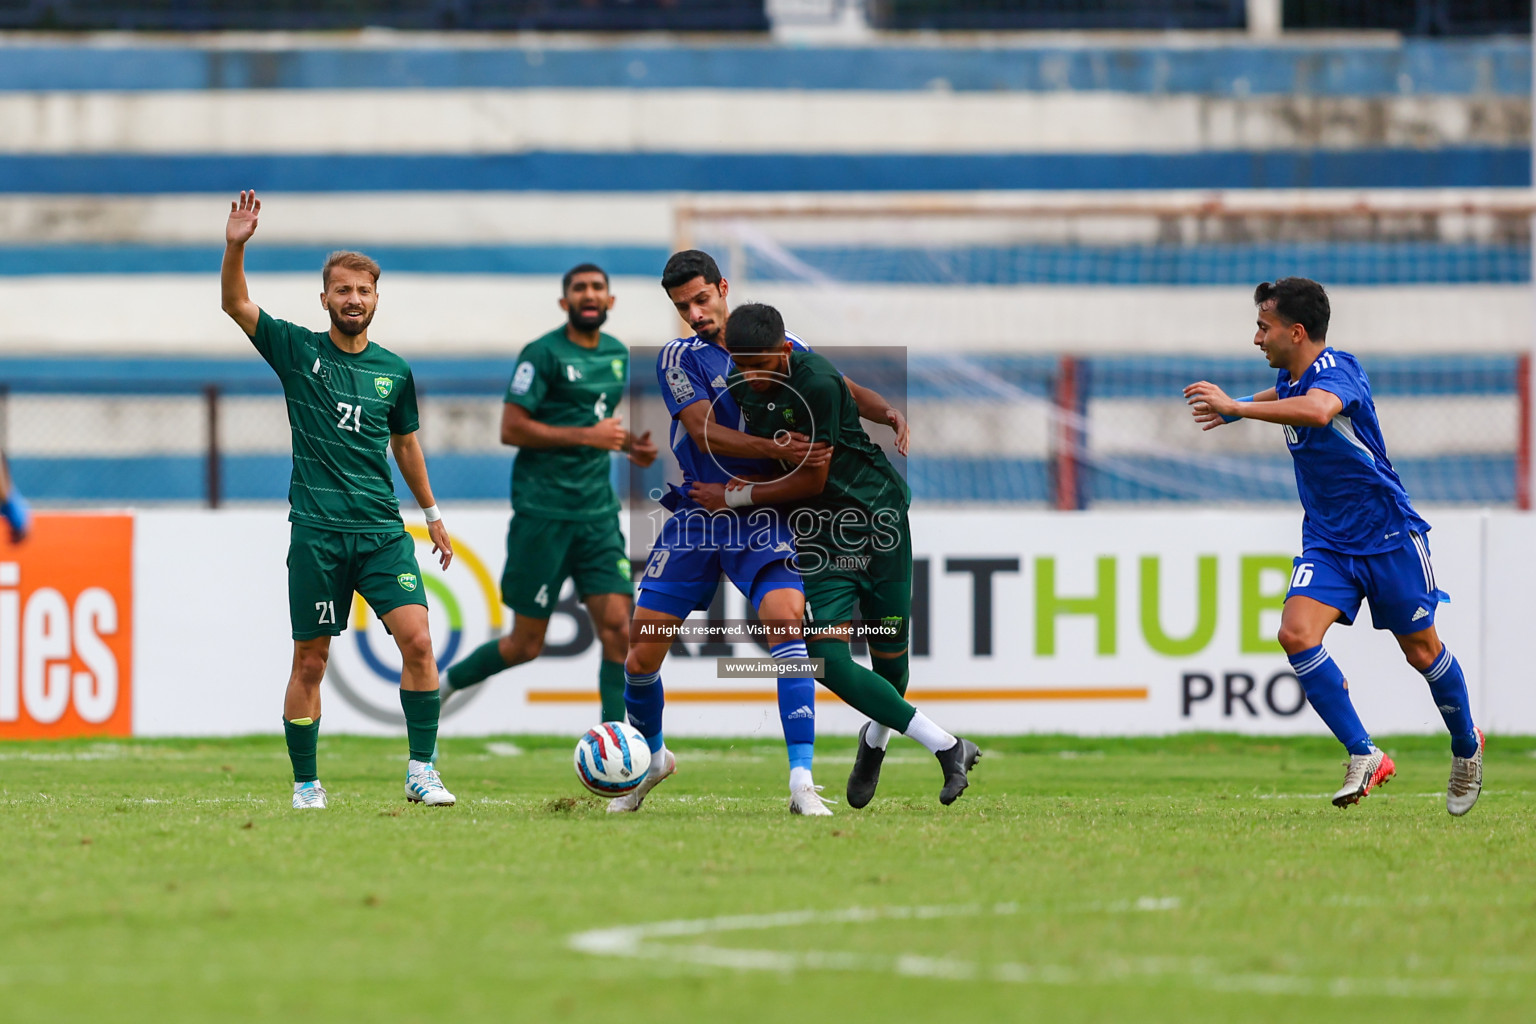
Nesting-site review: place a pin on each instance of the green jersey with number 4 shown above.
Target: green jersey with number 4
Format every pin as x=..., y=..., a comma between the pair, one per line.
x=564, y=384
x=342, y=408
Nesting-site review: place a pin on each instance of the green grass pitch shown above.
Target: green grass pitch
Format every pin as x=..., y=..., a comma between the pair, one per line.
x=1196, y=878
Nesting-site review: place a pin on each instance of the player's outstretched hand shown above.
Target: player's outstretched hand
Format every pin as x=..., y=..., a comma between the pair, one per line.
x=711, y=496
x=1208, y=404
x=608, y=434
x=898, y=423
x=799, y=450
x=642, y=450
x=442, y=546
x=242, y=218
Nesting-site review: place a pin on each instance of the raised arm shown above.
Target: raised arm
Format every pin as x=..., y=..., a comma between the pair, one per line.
x=413, y=468
x=237, y=231
x=518, y=427
x=874, y=407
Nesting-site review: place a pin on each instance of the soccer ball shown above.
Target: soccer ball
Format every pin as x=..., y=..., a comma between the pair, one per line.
x=612, y=759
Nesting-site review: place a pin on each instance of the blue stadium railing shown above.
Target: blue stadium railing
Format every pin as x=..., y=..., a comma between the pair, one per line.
x=1069, y=476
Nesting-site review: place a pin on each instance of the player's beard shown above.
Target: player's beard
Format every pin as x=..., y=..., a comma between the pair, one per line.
x=348, y=327
x=586, y=321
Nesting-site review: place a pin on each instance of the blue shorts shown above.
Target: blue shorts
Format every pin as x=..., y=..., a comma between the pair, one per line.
x=695, y=548
x=1399, y=584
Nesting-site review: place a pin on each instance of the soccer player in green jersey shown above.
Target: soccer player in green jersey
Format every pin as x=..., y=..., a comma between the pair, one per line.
x=849, y=517
x=349, y=401
x=560, y=413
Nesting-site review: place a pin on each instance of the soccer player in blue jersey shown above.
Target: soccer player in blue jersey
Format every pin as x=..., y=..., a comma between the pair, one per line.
x=752, y=548
x=1361, y=537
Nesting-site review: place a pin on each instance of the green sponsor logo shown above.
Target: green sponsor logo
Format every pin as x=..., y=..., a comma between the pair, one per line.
x=407, y=580
x=623, y=565
x=618, y=369
x=383, y=385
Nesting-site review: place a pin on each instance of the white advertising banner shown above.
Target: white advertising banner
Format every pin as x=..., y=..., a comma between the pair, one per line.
x=1091, y=623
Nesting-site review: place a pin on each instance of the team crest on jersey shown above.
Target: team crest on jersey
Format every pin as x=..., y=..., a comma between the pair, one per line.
x=679, y=384
x=407, y=581
x=789, y=415
x=618, y=369
x=522, y=380
x=383, y=385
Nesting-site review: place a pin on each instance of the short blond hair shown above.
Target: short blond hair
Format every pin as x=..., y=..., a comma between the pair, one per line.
x=350, y=260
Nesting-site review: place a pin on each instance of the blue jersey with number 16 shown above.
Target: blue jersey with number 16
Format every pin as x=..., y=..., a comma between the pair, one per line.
x=1352, y=497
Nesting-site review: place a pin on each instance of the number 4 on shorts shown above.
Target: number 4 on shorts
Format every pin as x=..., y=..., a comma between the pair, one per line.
x=542, y=597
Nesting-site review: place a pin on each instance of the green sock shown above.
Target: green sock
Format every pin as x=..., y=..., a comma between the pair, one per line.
x=477, y=666
x=610, y=686
x=302, y=736
x=861, y=689
x=421, y=708
x=892, y=670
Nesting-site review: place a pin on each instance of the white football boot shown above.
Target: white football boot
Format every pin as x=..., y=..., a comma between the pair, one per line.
x=653, y=777
x=1363, y=773
x=423, y=786
x=1466, y=781
x=807, y=800
x=312, y=794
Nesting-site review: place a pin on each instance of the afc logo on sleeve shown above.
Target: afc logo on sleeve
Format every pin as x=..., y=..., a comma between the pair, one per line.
x=522, y=380
x=679, y=384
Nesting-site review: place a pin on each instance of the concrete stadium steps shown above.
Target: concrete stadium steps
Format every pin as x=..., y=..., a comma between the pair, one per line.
x=425, y=314
x=766, y=121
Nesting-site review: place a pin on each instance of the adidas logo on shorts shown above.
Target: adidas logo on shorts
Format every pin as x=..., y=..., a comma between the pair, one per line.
x=1420, y=614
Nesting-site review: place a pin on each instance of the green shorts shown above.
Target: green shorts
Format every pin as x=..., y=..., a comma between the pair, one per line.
x=543, y=553
x=326, y=566
x=874, y=579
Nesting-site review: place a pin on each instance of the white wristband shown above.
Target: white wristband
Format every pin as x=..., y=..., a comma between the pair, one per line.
x=739, y=497
x=432, y=514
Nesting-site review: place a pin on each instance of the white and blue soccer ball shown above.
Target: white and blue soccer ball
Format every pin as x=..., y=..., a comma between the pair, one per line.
x=612, y=759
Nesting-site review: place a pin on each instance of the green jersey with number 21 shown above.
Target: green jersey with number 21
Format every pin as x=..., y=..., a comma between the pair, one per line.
x=342, y=407
x=563, y=384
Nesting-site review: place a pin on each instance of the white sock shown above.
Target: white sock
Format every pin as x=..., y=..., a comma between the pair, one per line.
x=877, y=735
x=928, y=734
x=800, y=778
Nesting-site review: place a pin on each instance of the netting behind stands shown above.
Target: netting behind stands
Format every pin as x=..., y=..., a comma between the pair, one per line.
x=1093, y=423
x=966, y=288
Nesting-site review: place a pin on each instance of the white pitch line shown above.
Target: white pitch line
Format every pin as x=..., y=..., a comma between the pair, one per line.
x=647, y=942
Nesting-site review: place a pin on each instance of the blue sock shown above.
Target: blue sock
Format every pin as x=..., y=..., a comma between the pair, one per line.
x=1449, y=688
x=1329, y=697
x=643, y=700
x=797, y=707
